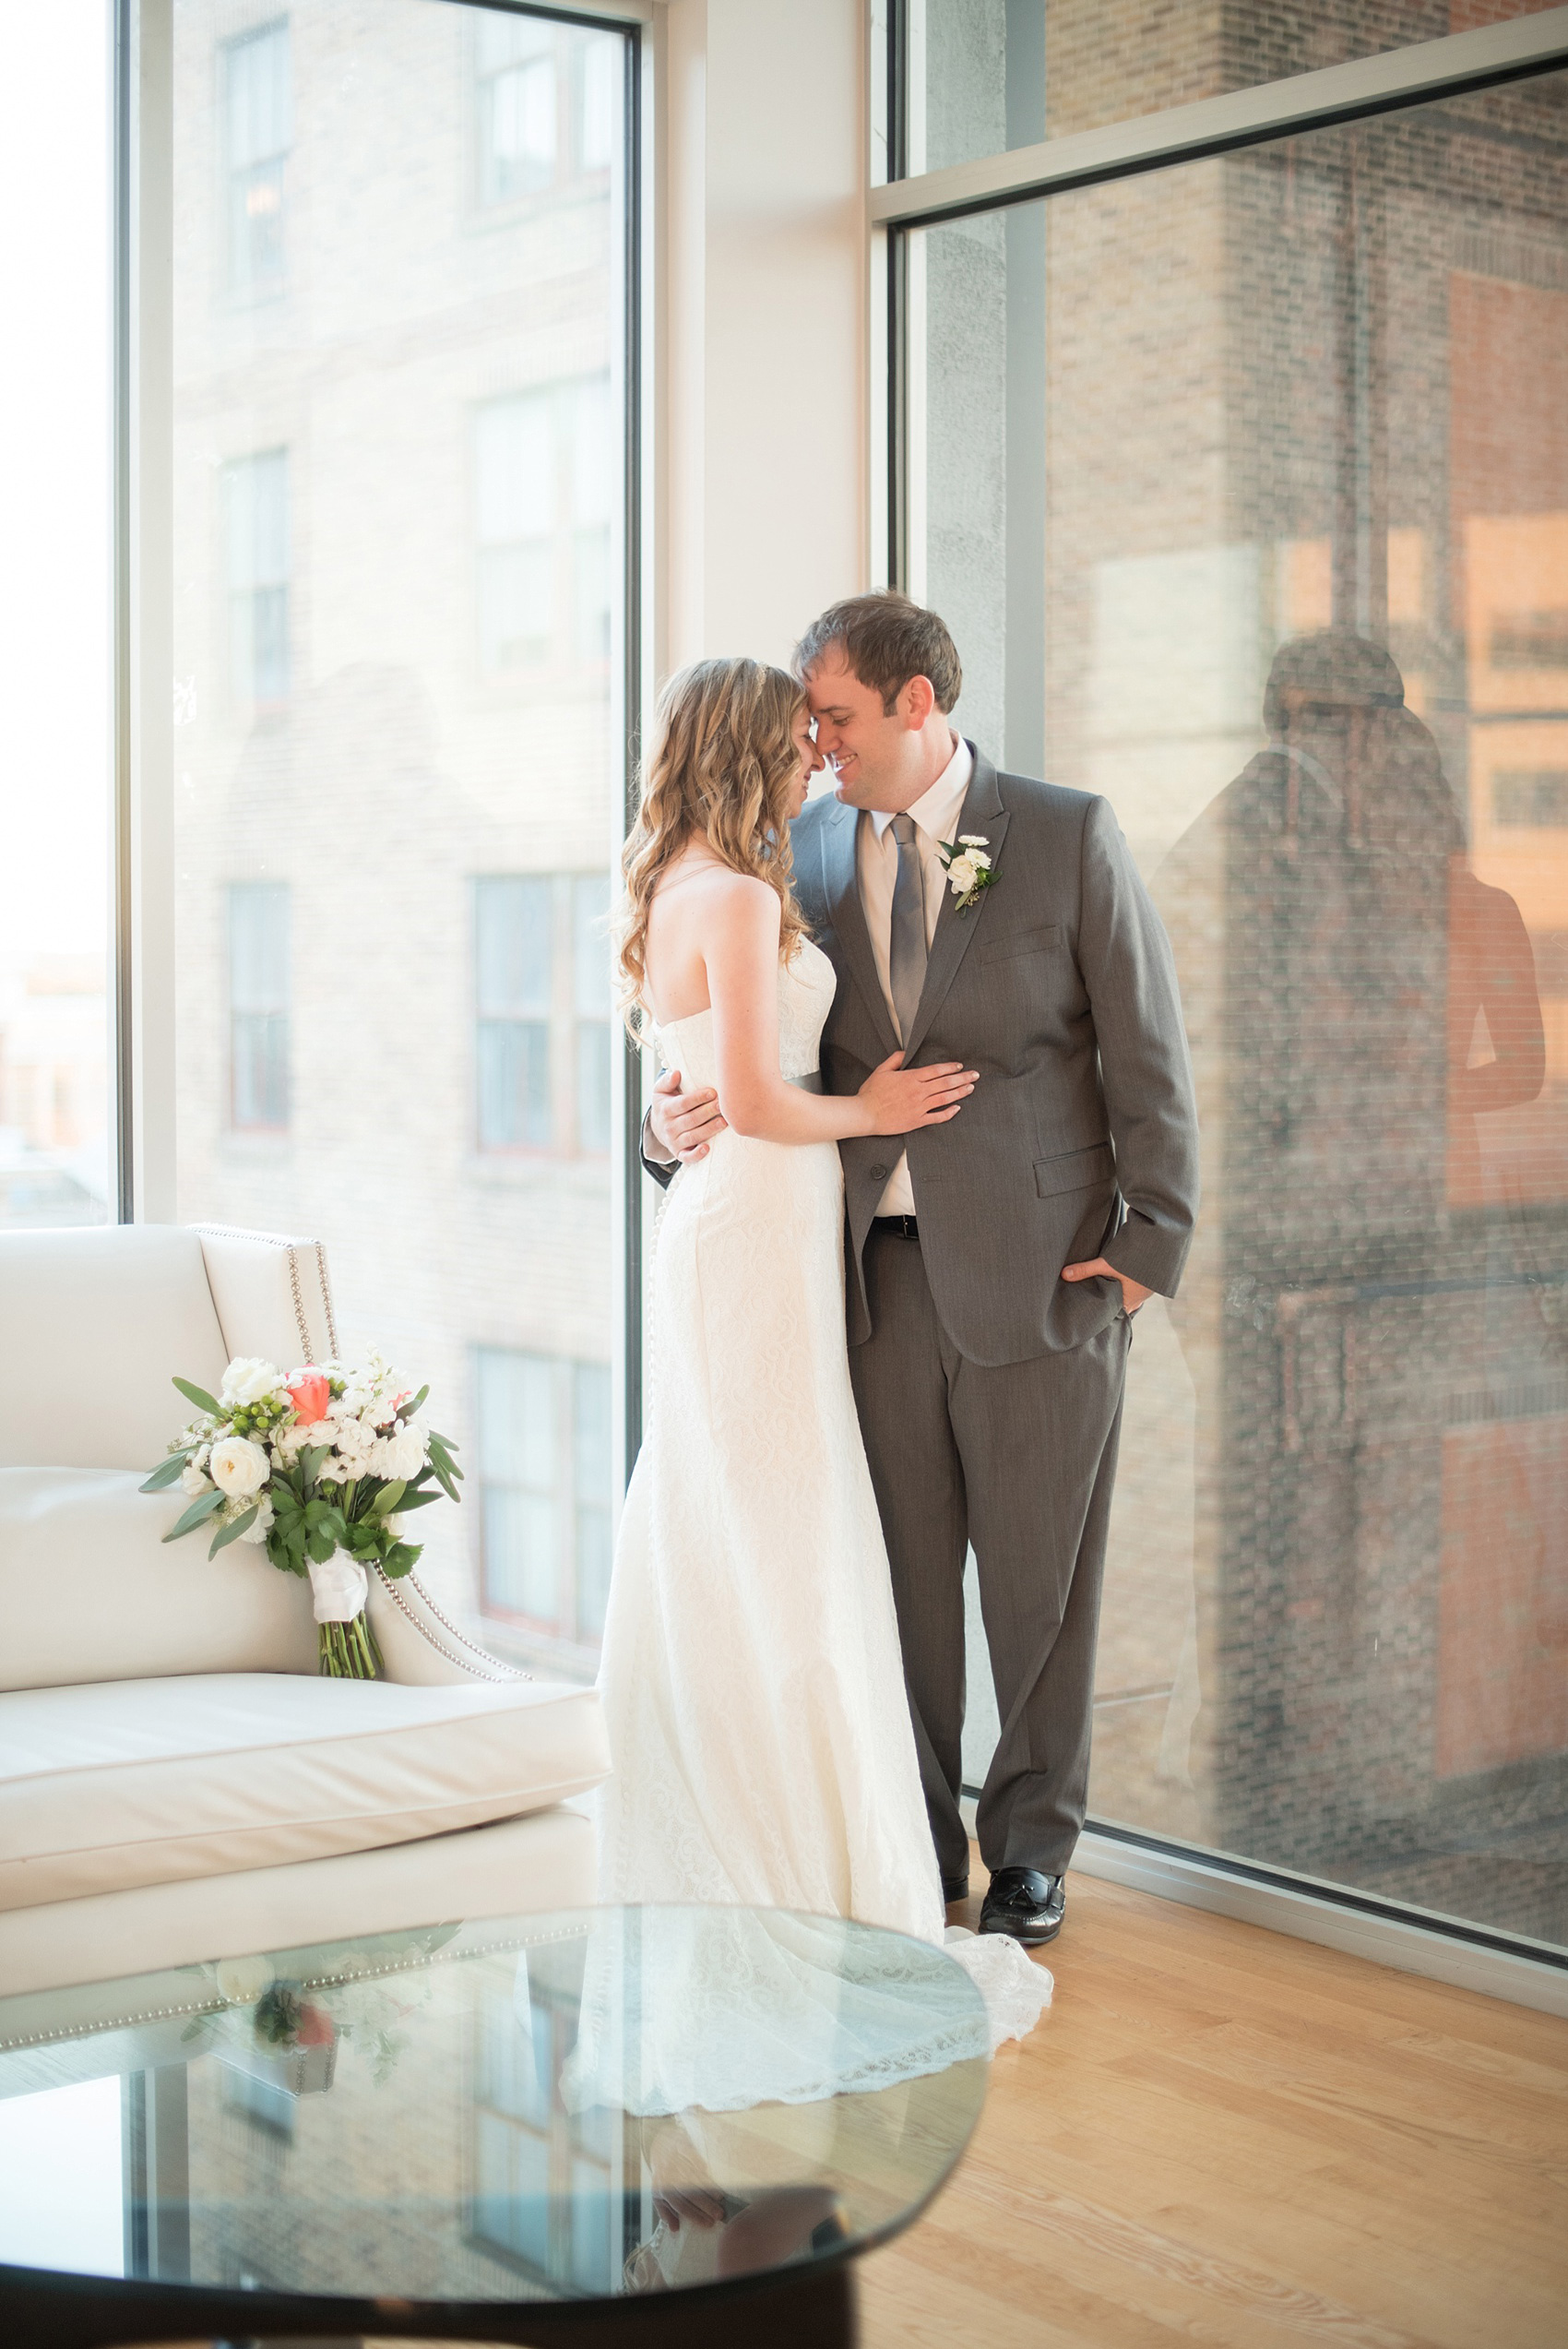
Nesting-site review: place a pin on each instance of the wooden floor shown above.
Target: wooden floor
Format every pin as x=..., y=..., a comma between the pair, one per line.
x=1220, y=2135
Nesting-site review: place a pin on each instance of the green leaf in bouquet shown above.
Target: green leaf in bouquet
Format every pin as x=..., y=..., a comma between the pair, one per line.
x=387, y=1499
x=406, y=1411
x=319, y=1546
x=447, y=1449
x=401, y=1558
x=165, y=1472
x=287, y=1559
x=227, y=1533
x=311, y=1459
x=194, y=1516
x=413, y=1498
x=199, y=1396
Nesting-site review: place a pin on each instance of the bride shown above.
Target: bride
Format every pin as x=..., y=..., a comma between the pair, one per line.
x=752, y=1680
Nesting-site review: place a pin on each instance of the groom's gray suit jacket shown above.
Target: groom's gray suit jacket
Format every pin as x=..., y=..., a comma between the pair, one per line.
x=1081, y=1138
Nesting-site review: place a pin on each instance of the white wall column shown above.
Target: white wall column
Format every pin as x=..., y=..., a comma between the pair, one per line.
x=761, y=374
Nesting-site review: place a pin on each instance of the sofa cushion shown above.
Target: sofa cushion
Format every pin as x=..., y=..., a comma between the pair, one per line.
x=97, y=1323
x=88, y=1590
x=511, y=1866
x=149, y=1782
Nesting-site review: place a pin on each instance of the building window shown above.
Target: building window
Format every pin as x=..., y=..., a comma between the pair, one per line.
x=591, y=1010
x=544, y=1467
x=514, y=955
x=592, y=1538
x=518, y=105
x=257, y=526
x=542, y=503
x=542, y=1013
x=258, y=1006
x=1530, y=798
x=255, y=124
x=546, y=105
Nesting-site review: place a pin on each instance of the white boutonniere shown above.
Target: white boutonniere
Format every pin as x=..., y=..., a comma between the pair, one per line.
x=969, y=868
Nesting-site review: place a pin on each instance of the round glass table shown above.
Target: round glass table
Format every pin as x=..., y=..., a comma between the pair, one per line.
x=599, y=2125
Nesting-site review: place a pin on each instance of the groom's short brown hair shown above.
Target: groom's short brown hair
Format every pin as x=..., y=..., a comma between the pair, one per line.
x=886, y=641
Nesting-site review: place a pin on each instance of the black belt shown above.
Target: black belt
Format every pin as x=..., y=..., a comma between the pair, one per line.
x=903, y=1227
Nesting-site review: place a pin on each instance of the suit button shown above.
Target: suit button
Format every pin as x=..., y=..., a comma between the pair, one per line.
x=879, y=1174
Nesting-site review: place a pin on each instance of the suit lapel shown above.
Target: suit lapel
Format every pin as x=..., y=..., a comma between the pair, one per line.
x=841, y=888
x=983, y=813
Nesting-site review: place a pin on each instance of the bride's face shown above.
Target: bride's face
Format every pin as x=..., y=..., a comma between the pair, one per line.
x=812, y=759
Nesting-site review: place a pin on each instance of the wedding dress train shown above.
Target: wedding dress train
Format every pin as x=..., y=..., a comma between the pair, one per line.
x=751, y=1678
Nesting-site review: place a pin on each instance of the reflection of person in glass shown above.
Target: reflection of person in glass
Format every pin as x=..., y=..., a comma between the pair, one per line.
x=705, y=2231
x=1337, y=962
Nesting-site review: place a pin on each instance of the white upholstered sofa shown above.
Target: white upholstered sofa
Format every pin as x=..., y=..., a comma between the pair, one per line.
x=176, y=1783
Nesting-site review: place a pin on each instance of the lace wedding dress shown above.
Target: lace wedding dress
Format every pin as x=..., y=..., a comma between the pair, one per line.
x=751, y=1677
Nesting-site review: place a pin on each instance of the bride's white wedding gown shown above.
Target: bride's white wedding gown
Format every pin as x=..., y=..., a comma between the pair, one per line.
x=751, y=1677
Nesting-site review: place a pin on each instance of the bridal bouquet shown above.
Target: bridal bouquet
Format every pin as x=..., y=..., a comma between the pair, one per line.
x=320, y=1467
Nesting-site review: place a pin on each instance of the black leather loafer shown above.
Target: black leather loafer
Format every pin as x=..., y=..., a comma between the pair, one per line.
x=1025, y=1904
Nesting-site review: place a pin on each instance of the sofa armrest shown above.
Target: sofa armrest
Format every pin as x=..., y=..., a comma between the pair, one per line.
x=272, y=1294
x=420, y=1646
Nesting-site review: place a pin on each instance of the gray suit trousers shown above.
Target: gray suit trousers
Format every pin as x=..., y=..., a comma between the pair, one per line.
x=1018, y=1461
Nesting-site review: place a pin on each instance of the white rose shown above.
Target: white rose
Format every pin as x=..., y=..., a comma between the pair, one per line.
x=248, y=1378
x=404, y=1453
x=961, y=873
x=238, y=1467
x=193, y=1481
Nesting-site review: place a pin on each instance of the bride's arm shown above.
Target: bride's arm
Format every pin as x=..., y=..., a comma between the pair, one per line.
x=741, y=951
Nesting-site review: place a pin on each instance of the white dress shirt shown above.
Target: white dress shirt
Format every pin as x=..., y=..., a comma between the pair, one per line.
x=876, y=854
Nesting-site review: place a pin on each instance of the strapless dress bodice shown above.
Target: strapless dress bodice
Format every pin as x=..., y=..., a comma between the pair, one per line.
x=806, y=997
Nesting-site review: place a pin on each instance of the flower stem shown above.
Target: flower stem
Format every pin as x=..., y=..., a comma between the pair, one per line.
x=348, y=1651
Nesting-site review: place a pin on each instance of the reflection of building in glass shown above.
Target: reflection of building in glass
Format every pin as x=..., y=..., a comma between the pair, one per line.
x=398, y=488
x=1317, y=387
x=54, y=1077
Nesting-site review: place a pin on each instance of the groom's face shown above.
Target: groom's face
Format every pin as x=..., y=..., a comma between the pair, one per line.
x=869, y=748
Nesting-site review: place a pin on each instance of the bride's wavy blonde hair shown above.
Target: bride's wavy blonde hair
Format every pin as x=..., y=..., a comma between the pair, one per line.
x=723, y=763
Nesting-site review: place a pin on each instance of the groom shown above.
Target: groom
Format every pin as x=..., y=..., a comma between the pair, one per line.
x=995, y=1263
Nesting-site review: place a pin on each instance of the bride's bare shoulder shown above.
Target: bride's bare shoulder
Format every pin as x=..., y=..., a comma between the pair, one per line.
x=719, y=893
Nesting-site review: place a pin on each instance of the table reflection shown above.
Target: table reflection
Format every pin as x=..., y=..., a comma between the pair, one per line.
x=463, y=2113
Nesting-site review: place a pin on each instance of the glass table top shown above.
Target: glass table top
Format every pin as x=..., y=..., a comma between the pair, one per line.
x=571, y=2106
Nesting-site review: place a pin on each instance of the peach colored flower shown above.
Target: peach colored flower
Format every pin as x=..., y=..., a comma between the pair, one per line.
x=310, y=1391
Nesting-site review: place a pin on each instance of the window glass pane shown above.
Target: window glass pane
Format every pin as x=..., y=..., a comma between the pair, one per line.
x=520, y=1456
x=514, y=444
x=55, y=646
x=257, y=517
x=598, y=108
x=513, y=925
x=987, y=76
x=382, y=708
x=258, y=1003
x=1279, y=564
x=256, y=143
x=591, y=1469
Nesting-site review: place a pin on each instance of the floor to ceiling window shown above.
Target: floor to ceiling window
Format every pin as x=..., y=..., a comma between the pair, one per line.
x=400, y=435
x=1243, y=485
x=56, y=791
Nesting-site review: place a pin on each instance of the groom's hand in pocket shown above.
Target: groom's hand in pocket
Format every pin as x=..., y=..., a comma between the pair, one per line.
x=683, y=1124
x=1133, y=1292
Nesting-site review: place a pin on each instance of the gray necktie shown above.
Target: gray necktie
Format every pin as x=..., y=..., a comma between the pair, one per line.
x=907, y=948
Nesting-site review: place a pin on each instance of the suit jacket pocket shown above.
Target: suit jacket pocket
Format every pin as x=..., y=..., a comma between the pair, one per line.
x=1021, y=942
x=1075, y=1170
